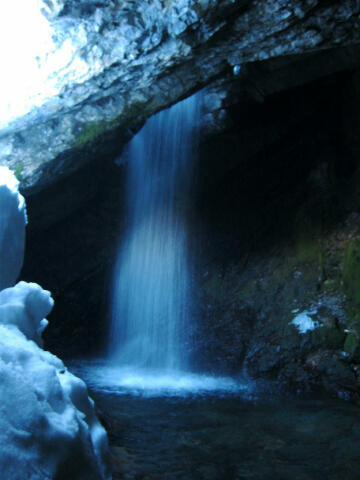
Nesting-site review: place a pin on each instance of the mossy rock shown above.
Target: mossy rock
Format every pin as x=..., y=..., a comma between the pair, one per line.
x=329, y=336
x=308, y=250
x=308, y=232
x=351, y=344
x=351, y=273
x=92, y=132
x=330, y=285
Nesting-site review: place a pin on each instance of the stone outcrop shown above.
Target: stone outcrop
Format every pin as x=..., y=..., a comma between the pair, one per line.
x=117, y=62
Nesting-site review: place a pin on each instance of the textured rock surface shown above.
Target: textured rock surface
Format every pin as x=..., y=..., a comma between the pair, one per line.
x=252, y=303
x=117, y=62
x=282, y=241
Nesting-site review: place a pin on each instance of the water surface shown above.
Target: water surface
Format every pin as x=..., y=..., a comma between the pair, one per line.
x=227, y=431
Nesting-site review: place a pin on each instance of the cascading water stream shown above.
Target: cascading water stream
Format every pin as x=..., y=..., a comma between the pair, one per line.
x=151, y=308
x=152, y=312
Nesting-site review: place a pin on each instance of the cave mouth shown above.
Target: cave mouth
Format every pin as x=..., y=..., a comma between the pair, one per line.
x=280, y=170
x=275, y=234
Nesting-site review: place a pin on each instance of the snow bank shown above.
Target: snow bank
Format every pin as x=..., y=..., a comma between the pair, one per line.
x=26, y=306
x=12, y=228
x=48, y=426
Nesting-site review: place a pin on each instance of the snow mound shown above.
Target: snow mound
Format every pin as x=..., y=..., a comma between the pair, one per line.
x=26, y=306
x=48, y=426
x=12, y=228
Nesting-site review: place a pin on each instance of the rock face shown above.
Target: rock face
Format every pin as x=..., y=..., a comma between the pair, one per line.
x=279, y=280
x=109, y=65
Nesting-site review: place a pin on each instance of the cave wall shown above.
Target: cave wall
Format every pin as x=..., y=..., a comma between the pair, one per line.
x=72, y=237
x=279, y=237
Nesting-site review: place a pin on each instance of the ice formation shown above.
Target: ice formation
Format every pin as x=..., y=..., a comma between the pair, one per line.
x=48, y=426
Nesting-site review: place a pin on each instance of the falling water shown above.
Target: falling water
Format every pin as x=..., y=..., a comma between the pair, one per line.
x=151, y=307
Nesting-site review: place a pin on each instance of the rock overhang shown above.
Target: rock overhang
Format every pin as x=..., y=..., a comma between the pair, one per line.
x=140, y=57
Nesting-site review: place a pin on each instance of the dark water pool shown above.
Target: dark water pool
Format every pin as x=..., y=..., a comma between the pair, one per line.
x=211, y=437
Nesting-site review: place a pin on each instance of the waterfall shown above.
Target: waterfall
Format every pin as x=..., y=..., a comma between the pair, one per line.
x=151, y=307
x=151, y=302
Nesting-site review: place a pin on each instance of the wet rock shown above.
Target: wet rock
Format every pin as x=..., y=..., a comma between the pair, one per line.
x=304, y=282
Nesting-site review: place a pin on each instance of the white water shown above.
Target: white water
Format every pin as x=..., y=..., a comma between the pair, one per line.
x=151, y=306
x=105, y=377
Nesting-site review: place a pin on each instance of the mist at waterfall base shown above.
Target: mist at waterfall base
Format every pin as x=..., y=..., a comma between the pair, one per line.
x=151, y=309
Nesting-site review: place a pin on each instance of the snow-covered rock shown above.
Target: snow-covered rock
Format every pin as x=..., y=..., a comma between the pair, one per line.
x=48, y=426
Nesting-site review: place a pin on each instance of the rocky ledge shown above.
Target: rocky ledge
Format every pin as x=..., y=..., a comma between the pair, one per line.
x=108, y=65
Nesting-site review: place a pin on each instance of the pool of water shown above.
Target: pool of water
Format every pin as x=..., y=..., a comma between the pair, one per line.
x=228, y=434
